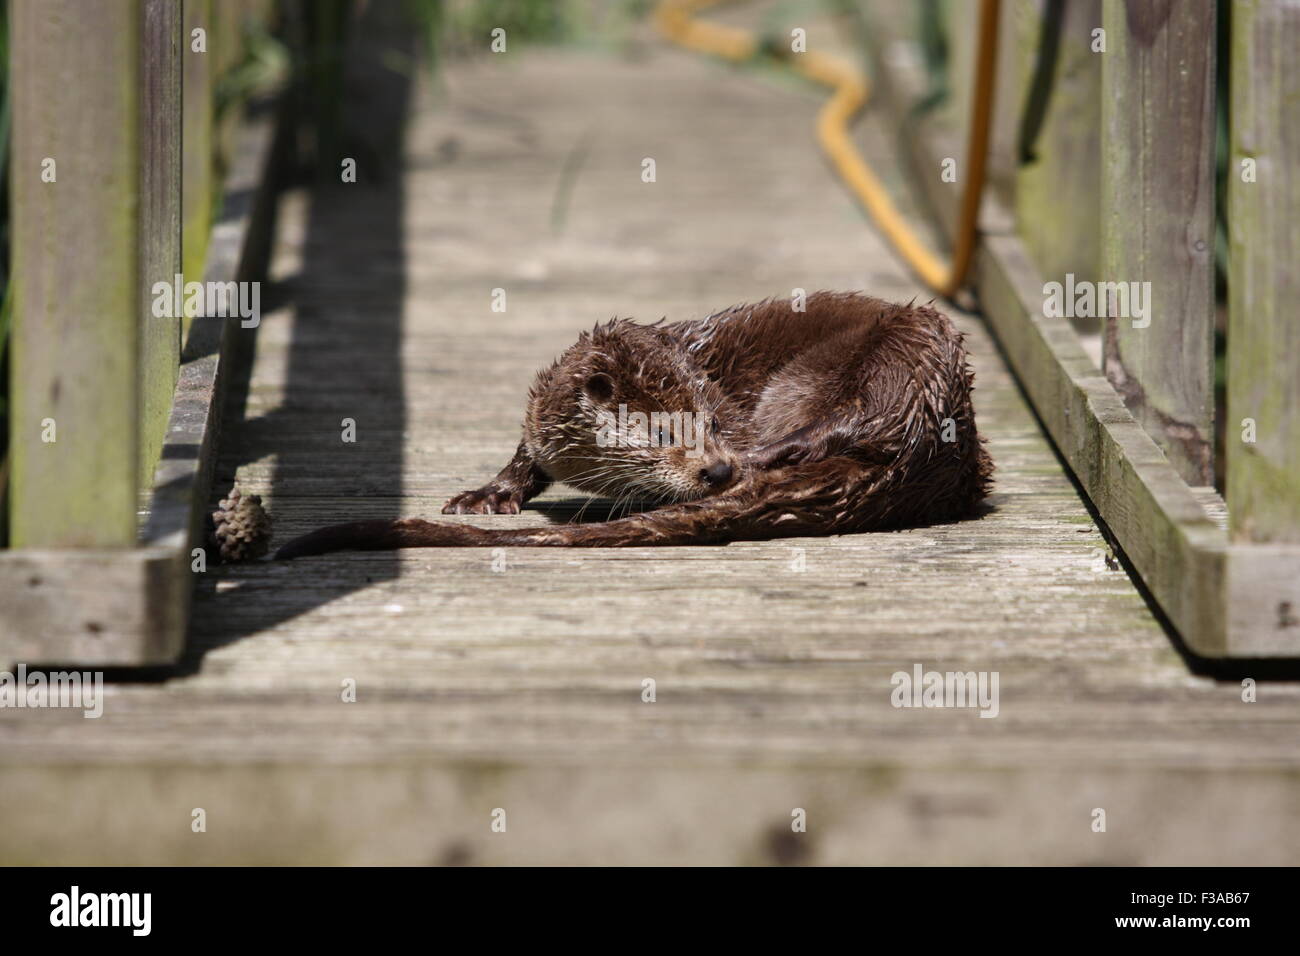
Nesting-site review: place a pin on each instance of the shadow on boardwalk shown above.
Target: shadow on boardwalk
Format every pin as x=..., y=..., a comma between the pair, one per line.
x=344, y=362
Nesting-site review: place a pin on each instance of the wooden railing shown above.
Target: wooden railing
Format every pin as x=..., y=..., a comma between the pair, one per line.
x=112, y=179
x=117, y=153
x=1104, y=176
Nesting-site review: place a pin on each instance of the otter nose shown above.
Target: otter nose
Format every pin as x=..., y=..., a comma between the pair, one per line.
x=716, y=475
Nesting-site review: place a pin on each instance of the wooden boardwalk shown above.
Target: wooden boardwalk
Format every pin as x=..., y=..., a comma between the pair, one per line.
x=481, y=686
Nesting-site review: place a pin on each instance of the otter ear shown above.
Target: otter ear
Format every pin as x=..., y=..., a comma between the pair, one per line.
x=599, y=387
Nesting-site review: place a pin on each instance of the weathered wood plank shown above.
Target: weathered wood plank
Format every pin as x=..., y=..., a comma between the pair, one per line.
x=1157, y=226
x=129, y=608
x=1164, y=530
x=1262, y=592
x=1263, y=427
x=647, y=813
x=228, y=24
x=77, y=77
x=961, y=28
x=92, y=608
x=1172, y=533
x=160, y=217
x=1003, y=156
x=198, y=188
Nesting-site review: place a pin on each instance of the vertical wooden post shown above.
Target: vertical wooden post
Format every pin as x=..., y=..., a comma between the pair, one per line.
x=961, y=25
x=159, y=225
x=1002, y=159
x=227, y=47
x=92, y=179
x=1263, y=483
x=1157, y=149
x=1057, y=184
x=198, y=169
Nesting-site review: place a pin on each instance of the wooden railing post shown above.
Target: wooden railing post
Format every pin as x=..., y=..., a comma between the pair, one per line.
x=227, y=36
x=198, y=172
x=159, y=224
x=1056, y=186
x=1157, y=158
x=95, y=185
x=1263, y=427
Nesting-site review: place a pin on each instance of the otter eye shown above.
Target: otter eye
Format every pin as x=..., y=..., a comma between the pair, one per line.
x=714, y=426
x=600, y=387
x=665, y=436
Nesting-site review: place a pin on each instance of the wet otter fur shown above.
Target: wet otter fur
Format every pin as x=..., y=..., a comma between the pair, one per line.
x=853, y=415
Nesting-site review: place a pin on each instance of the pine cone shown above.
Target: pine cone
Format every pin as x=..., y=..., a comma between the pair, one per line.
x=241, y=527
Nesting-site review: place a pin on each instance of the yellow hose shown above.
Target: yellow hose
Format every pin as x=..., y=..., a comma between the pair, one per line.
x=675, y=20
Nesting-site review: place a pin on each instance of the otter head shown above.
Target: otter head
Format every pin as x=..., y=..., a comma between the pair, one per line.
x=626, y=412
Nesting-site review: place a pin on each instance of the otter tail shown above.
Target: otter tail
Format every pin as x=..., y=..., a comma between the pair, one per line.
x=688, y=523
x=833, y=496
x=800, y=500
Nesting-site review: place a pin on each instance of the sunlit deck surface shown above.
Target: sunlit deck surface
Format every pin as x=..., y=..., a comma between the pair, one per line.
x=521, y=689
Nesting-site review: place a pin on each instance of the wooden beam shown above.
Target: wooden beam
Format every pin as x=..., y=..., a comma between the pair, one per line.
x=1174, y=544
x=1002, y=162
x=697, y=810
x=128, y=607
x=77, y=210
x=1263, y=427
x=160, y=217
x=1157, y=178
x=226, y=48
x=94, y=608
x=1225, y=601
x=198, y=167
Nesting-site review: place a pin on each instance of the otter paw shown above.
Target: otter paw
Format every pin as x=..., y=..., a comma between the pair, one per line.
x=489, y=500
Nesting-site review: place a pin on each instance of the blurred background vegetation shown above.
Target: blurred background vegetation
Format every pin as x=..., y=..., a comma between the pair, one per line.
x=459, y=27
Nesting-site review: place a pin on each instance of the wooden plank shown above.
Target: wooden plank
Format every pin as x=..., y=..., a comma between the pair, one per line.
x=236, y=253
x=961, y=28
x=227, y=49
x=77, y=75
x=160, y=217
x=1165, y=531
x=1003, y=158
x=1157, y=137
x=1057, y=213
x=198, y=187
x=1262, y=593
x=129, y=608
x=92, y=608
x=1172, y=533
x=1263, y=427
x=648, y=813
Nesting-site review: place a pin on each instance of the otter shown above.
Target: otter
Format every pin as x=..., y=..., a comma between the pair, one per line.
x=757, y=422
